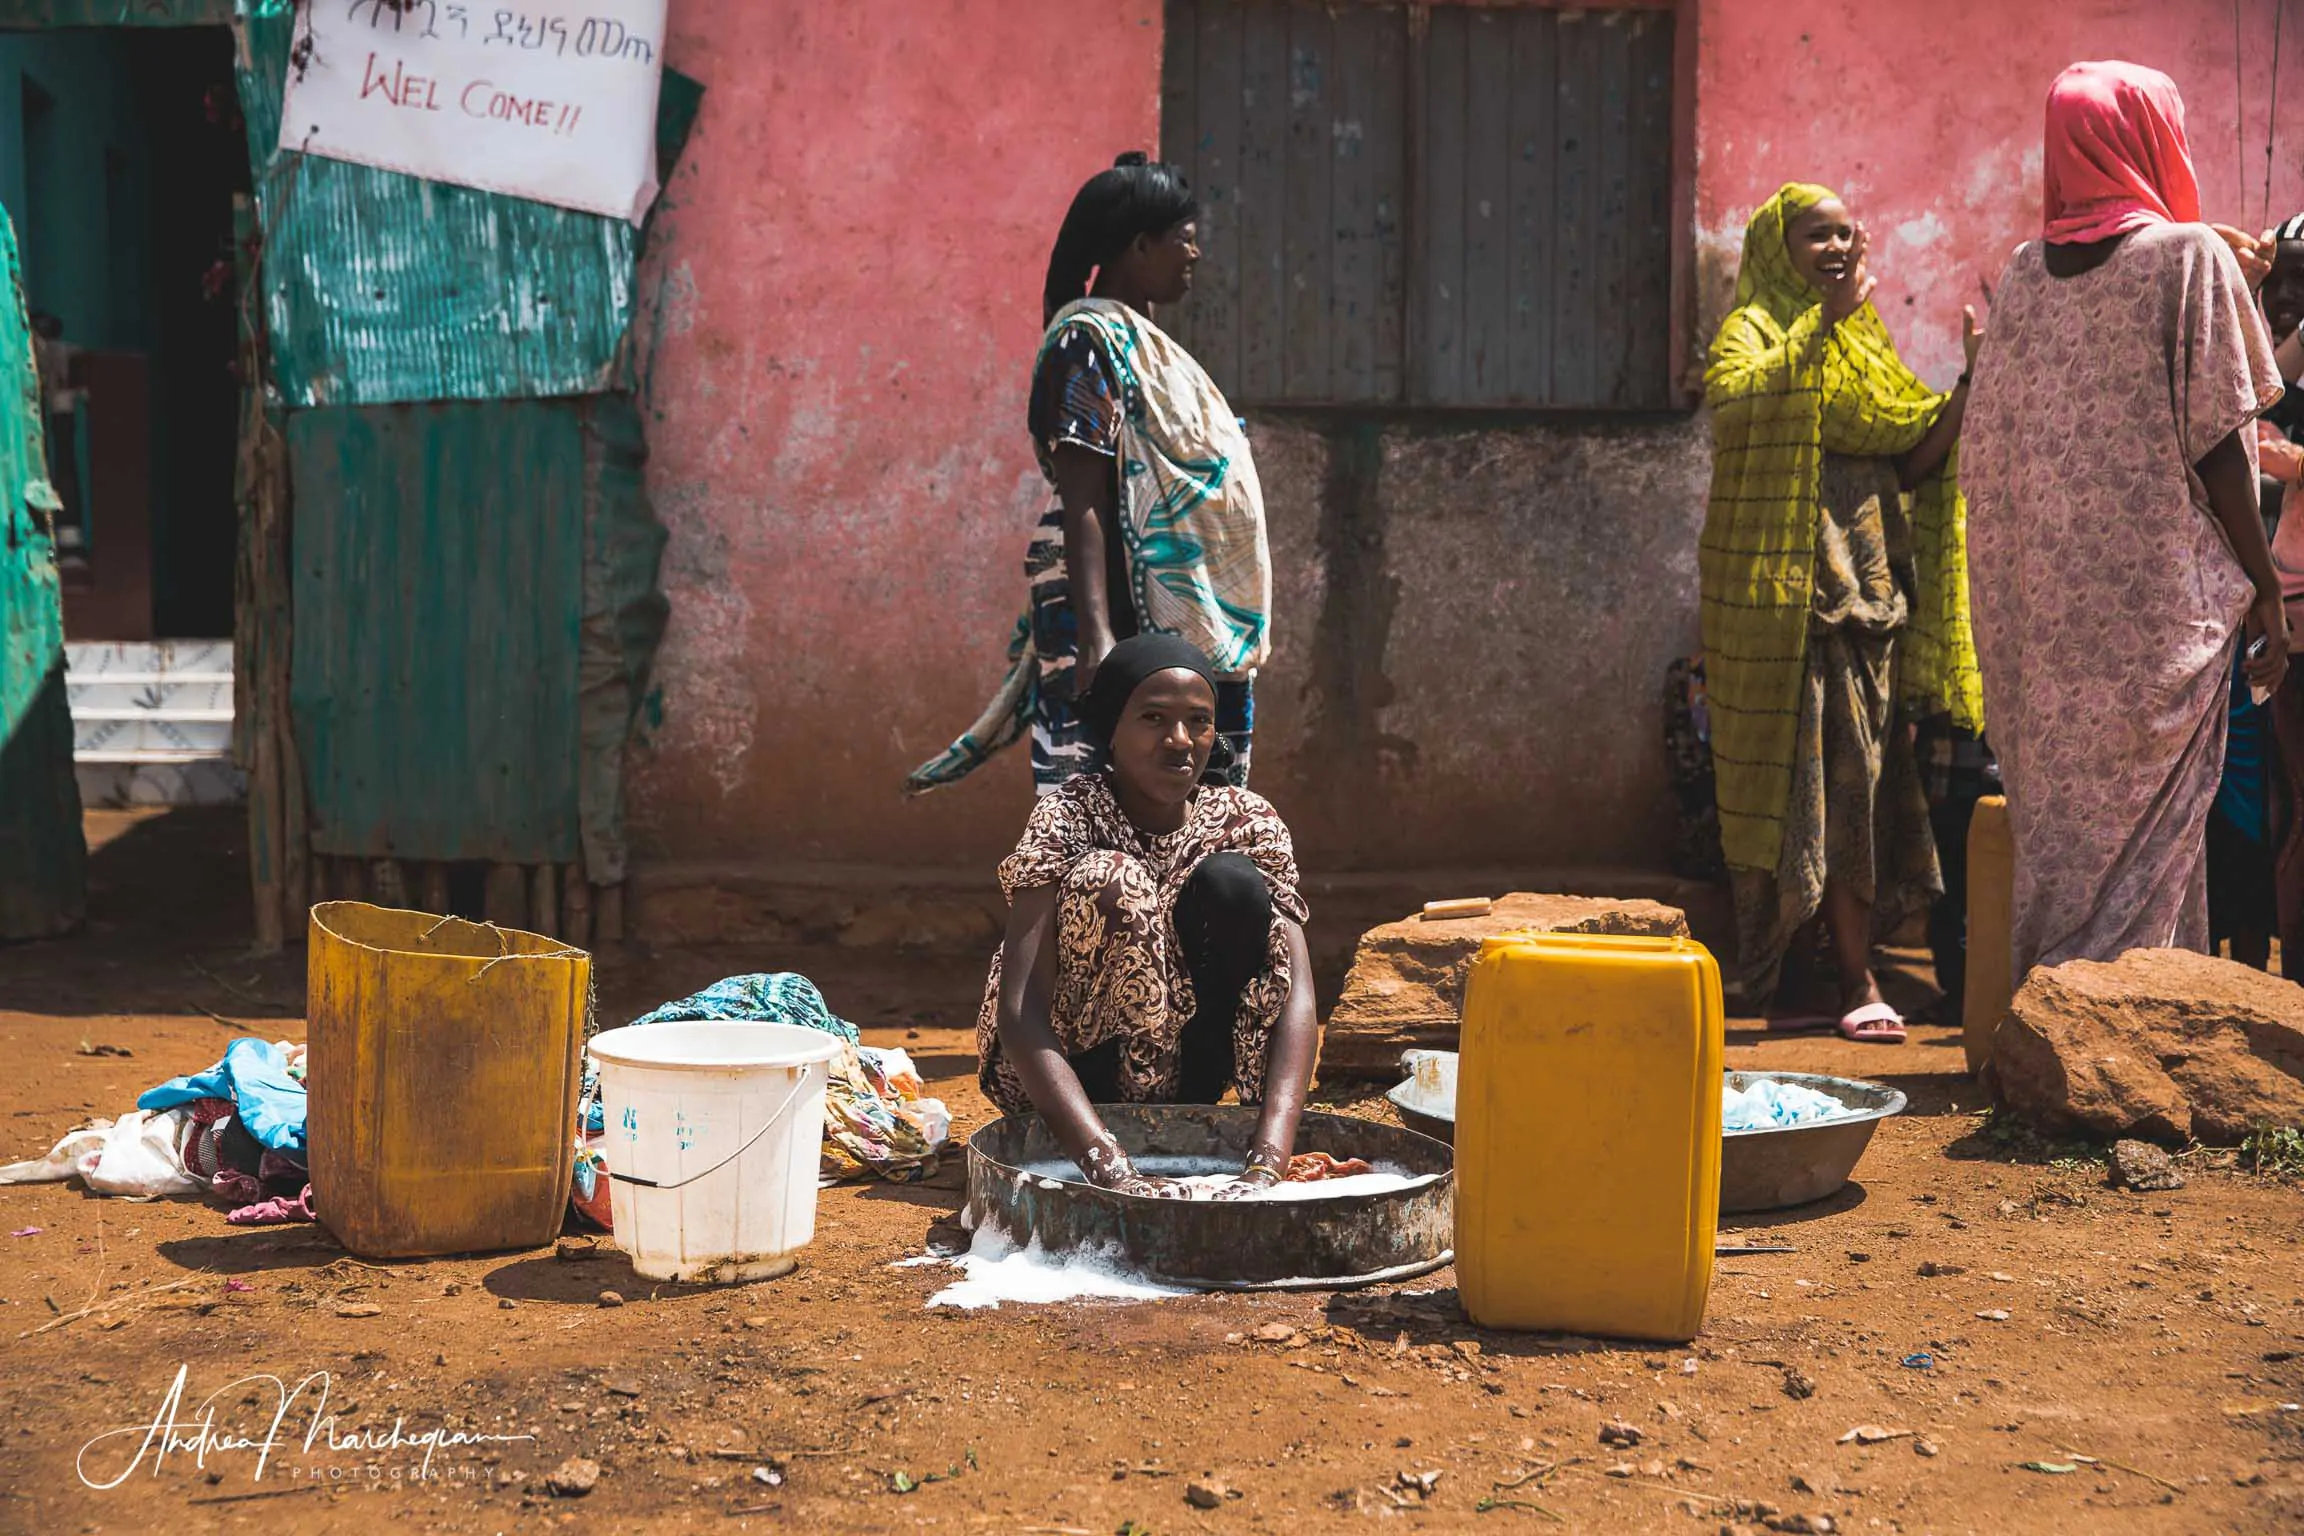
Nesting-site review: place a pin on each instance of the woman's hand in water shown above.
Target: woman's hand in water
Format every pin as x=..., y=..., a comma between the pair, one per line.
x=1248, y=1182
x=1107, y=1167
x=1852, y=289
x=1267, y=1165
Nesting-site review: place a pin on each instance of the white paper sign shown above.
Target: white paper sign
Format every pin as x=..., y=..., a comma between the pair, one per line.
x=548, y=99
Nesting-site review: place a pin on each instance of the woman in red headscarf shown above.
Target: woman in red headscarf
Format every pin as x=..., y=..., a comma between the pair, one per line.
x=2114, y=572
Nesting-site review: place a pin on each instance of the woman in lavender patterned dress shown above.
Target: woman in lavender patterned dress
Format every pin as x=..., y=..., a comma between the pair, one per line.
x=2113, y=571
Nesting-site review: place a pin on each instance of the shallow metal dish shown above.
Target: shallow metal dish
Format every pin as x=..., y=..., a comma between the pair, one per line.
x=1258, y=1245
x=1767, y=1170
x=1763, y=1170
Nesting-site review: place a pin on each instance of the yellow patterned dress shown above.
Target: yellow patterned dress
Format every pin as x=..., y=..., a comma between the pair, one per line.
x=1826, y=605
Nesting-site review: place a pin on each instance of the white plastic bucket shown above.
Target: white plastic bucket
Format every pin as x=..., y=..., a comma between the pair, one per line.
x=714, y=1130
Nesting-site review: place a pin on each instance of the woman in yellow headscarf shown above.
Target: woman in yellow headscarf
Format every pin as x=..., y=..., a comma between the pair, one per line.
x=1834, y=614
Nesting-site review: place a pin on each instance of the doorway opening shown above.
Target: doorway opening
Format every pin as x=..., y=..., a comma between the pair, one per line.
x=127, y=184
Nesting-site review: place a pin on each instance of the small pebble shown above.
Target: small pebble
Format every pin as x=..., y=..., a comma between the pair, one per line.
x=611, y=1299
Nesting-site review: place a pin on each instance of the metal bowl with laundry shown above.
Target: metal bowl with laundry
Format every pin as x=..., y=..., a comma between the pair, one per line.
x=1322, y=1243
x=1766, y=1169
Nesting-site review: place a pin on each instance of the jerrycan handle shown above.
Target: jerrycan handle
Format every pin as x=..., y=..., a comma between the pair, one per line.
x=749, y=1142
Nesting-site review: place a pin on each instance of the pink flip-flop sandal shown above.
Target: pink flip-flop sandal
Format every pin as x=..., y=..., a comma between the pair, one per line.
x=1873, y=1024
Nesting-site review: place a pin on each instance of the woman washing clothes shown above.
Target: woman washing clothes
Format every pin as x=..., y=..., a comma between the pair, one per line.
x=2116, y=574
x=1832, y=616
x=1156, y=522
x=1155, y=946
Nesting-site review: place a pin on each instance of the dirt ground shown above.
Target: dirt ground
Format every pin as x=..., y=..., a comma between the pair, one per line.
x=2136, y=1348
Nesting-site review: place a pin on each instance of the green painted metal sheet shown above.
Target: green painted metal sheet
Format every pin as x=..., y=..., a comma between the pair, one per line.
x=438, y=593
x=43, y=860
x=381, y=288
x=624, y=618
x=115, y=13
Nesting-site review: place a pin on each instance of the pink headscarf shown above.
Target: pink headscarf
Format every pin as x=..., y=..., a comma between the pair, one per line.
x=2116, y=157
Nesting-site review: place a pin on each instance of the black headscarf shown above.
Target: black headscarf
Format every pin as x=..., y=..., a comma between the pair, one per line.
x=1123, y=671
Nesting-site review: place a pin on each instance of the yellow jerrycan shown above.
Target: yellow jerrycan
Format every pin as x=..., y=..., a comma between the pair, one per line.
x=444, y=1065
x=1588, y=1135
x=1991, y=982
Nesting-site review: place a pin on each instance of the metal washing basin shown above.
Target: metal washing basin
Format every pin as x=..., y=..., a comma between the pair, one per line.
x=1760, y=1170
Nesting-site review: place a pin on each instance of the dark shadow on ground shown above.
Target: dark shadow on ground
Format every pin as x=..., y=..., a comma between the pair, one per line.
x=946, y=1192
x=1934, y=1093
x=551, y=1280
x=254, y=1250
x=2001, y=1137
x=1437, y=1317
x=946, y=1235
x=936, y=1066
x=167, y=931
x=1846, y=1198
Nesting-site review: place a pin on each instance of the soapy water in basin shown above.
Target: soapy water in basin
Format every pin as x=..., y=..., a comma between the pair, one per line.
x=1202, y=1177
x=1768, y=1105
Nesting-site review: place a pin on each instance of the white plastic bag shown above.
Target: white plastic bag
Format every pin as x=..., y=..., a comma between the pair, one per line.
x=133, y=1155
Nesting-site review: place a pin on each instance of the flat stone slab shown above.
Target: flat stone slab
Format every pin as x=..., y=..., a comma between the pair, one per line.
x=1406, y=988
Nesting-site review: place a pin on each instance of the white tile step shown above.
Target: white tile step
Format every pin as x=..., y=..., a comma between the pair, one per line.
x=82, y=713
x=114, y=695
x=144, y=703
x=146, y=738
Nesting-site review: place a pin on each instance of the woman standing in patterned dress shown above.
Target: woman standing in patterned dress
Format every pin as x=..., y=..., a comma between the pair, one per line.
x=1155, y=947
x=2116, y=570
x=1831, y=616
x=1156, y=522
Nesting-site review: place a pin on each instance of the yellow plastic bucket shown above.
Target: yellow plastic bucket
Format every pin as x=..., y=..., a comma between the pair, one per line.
x=443, y=1074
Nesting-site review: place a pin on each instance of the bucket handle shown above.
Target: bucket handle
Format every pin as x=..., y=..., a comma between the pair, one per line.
x=749, y=1142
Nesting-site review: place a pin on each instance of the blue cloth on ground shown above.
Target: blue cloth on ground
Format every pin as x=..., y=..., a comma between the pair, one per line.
x=254, y=1076
x=779, y=997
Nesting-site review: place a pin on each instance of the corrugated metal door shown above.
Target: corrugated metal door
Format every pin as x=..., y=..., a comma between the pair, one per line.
x=469, y=546
x=43, y=859
x=1427, y=205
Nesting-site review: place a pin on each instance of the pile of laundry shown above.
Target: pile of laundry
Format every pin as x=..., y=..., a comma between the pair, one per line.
x=877, y=1117
x=234, y=1133
x=1767, y=1105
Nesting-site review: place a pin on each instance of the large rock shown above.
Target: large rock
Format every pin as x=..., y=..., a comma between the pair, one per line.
x=1406, y=988
x=2160, y=1043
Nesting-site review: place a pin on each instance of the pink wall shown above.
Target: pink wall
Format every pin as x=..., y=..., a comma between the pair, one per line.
x=844, y=300
x=849, y=277
x=1926, y=117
